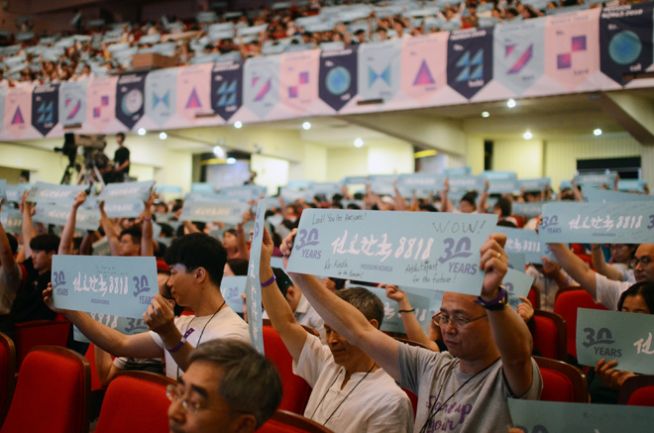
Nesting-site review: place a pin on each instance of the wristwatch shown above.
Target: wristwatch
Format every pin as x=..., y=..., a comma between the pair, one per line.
x=497, y=303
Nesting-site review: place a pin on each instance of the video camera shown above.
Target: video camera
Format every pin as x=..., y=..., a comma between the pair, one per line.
x=92, y=145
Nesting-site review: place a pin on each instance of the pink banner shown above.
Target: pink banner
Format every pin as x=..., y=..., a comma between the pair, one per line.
x=298, y=80
x=17, y=121
x=101, y=106
x=424, y=65
x=193, y=92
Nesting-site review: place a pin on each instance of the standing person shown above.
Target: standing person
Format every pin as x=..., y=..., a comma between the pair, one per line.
x=121, y=159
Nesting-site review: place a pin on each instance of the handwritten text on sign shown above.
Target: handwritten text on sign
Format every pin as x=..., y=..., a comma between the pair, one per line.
x=228, y=212
x=122, y=286
x=553, y=417
x=626, y=337
x=411, y=249
x=125, y=325
x=253, y=281
x=626, y=223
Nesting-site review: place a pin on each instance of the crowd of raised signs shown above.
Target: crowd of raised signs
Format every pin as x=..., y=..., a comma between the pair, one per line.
x=417, y=243
x=107, y=46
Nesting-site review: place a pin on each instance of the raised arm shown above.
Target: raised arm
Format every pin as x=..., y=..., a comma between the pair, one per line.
x=600, y=265
x=446, y=205
x=281, y=316
x=68, y=232
x=483, y=199
x=9, y=270
x=575, y=267
x=147, y=247
x=347, y=320
x=109, y=231
x=28, y=231
x=412, y=327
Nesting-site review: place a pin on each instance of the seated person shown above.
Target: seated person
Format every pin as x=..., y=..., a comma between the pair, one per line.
x=351, y=394
x=619, y=269
x=228, y=387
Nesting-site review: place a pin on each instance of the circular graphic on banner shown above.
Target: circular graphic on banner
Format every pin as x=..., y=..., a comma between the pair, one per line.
x=338, y=80
x=132, y=102
x=625, y=47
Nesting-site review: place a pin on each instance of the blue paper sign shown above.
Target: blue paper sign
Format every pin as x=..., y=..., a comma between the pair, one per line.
x=637, y=185
x=529, y=210
x=228, y=212
x=493, y=174
x=87, y=219
x=597, y=195
x=596, y=223
x=502, y=185
x=202, y=188
x=426, y=303
x=355, y=180
x=436, y=251
x=625, y=337
x=233, y=289
x=245, y=192
x=125, y=325
x=43, y=192
x=535, y=416
x=15, y=192
x=536, y=184
x=128, y=191
x=518, y=285
x=101, y=247
x=421, y=183
x=253, y=284
x=124, y=208
x=465, y=183
x=383, y=184
x=458, y=171
x=517, y=261
x=325, y=188
x=3, y=191
x=12, y=219
x=586, y=180
x=122, y=286
x=291, y=195
x=524, y=241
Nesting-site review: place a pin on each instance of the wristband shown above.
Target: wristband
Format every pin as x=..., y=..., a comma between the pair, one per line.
x=268, y=282
x=413, y=310
x=177, y=346
x=497, y=303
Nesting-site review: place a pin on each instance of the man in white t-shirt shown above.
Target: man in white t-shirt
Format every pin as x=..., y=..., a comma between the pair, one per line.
x=351, y=394
x=197, y=262
x=605, y=291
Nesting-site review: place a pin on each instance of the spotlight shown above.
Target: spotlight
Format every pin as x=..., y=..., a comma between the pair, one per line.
x=238, y=124
x=219, y=152
x=163, y=135
x=358, y=142
x=527, y=135
x=306, y=126
x=485, y=114
x=141, y=131
x=597, y=132
x=231, y=160
x=511, y=103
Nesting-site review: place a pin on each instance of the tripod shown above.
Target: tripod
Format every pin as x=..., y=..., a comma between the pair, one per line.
x=88, y=174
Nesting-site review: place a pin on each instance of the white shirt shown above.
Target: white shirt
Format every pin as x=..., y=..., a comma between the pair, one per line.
x=372, y=403
x=306, y=315
x=225, y=324
x=607, y=292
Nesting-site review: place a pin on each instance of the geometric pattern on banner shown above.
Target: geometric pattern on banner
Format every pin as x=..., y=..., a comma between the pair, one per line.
x=72, y=103
x=130, y=98
x=298, y=79
x=469, y=61
x=160, y=93
x=226, y=88
x=424, y=64
x=518, y=54
x=379, y=70
x=45, y=108
x=261, y=84
x=101, y=103
x=3, y=96
x=625, y=40
x=17, y=119
x=572, y=47
x=194, y=91
x=337, y=81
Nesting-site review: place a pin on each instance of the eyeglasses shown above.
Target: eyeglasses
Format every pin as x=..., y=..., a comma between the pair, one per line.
x=457, y=320
x=174, y=393
x=645, y=260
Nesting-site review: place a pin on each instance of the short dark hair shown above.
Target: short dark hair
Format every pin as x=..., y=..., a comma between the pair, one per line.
x=470, y=197
x=504, y=205
x=642, y=288
x=13, y=243
x=199, y=250
x=45, y=243
x=121, y=135
x=365, y=301
x=134, y=232
x=250, y=383
x=238, y=266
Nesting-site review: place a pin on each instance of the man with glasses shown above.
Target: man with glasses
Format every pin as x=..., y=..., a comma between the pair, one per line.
x=605, y=291
x=464, y=389
x=228, y=388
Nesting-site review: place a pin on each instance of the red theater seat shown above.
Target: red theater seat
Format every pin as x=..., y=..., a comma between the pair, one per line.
x=40, y=333
x=51, y=393
x=288, y=422
x=7, y=373
x=549, y=335
x=566, y=304
x=562, y=381
x=637, y=391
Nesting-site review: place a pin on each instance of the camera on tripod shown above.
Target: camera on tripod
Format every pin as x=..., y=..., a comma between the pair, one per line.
x=95, y=161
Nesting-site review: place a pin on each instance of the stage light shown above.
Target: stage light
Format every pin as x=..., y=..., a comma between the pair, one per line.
x=527, y=135
x=358, y=142
x=511, y=103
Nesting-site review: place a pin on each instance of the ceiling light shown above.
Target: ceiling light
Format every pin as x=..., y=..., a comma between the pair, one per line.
x=511, y=103
x=358, y=142
x=141, y=132
x=306, y=126
x=238, y=124
x=527, y=135
x=163, y=135
x=231, y=160
x=597, y=132
x=485, y=114
x=219, y=152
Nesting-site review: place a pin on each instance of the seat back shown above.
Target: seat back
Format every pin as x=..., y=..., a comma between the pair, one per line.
x=549, y=335
x=40, y=333
x=135, y=402
x=566, y=305
x=637, y=391
x=7, y=373
x=288, y=422
x=51, y=394
x=562, y=381
x=295, y=390
x=96, y=384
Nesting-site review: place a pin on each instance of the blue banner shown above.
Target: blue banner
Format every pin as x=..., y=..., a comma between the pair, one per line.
x=436, y=251
x=625, y=337
x=161, y=95
x=130, y=98
x=228, y=212
x=233, y=289
x=226, y=88
x=470, y=60
x=122, y=286
x=379, y=70
x=597, y=223
x=43, y=192
x=45, y=108
x=535, y=416
x=253, y=283
x=337, y=77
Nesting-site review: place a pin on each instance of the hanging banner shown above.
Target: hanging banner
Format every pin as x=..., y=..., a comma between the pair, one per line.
x=45, y=108
x=72, y=103
x=299, y=79
x=518, y=54
x=18, y=112
x=193, y=92
x=379, y=70
x=469, y=60
x=261, y=85
x=101, y=104
x=160, y=95
x=130, y=98
x=424, y=65
x=337, y=84
x=226, y=88
x=625, y=40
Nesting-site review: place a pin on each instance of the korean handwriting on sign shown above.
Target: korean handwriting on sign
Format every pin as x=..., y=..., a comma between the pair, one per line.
x=522, y=246
x=608, y=223
x=644, y=346
x=407, y=248
x=101, y=284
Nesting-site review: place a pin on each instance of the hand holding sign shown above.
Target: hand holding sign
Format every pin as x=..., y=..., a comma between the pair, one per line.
x=160, y=315
x=80, y=198
x=609, y=375
x=494, y=262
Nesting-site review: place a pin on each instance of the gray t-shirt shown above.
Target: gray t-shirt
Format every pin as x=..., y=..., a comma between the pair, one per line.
x=478, y=406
